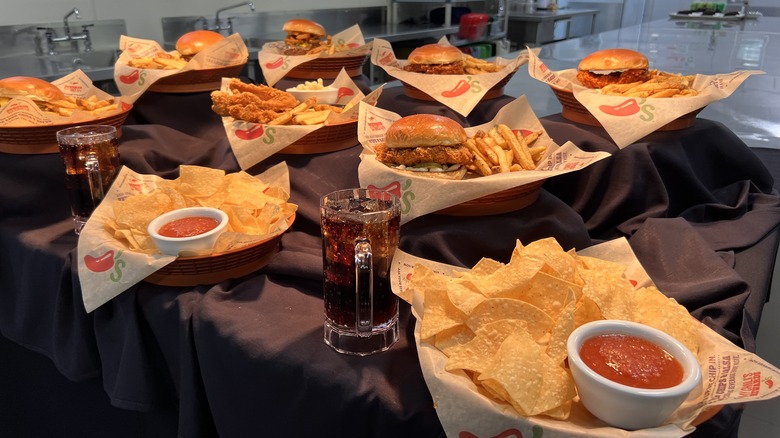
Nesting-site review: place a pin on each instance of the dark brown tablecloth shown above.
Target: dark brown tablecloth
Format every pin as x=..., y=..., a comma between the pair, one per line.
x=246, y=358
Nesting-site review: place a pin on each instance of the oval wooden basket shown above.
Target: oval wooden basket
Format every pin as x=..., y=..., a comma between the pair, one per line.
x=33, y=140
x=573, y=110
x=193, y=81
x=505, y=201
x=329, y=138
x=212, y=269
x=328, y=67
x=494, y=92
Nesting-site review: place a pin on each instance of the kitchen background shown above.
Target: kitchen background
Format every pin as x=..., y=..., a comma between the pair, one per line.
x=143, y=17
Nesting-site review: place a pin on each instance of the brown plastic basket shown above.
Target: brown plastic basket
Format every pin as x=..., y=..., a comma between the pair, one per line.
x=32, y=140
x=505, y=201
x=193, y=81
x=329, y=138
x=212, y=269
x=573, y=110
x=328, y=67
x=494, y=92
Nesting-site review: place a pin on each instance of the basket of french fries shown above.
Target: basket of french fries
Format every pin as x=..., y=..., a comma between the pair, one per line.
x=437, y=166
x=628, y=98
x=659, y=84
x=143, y=65
x=441, y=72
x=29, y=122
x=308, y=52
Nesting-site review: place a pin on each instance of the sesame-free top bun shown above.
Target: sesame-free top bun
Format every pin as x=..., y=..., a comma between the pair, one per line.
x=614, y=59
x=31, y=88
x=422, y=130
x=193, y=42
x=435, y=54
x=612, y=66
x=305, y=26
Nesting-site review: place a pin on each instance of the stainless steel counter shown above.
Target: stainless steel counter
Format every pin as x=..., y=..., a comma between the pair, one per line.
x=689, y=47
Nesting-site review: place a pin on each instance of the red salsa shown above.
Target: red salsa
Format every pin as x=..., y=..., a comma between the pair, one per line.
x=631, y=361
x=188, y=226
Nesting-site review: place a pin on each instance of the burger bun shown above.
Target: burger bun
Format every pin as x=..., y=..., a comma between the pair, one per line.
x=191, y=43
x=614, y=60
x=32, y=88
x=435, y=54
x=454, y=175
x=304, y=26
x=424, y=130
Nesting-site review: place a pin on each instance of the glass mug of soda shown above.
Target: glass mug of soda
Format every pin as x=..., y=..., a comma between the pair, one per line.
x=91, y=157
x=360, y=232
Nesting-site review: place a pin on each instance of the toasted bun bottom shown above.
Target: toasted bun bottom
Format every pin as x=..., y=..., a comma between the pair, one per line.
x=451, y=175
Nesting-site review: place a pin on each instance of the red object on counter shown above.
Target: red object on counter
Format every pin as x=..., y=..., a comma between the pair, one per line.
x=473, y=26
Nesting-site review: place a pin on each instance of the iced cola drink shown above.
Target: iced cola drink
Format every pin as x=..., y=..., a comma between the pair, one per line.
x=360, y=233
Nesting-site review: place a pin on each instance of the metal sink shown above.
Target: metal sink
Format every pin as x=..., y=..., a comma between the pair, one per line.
x=97, y=65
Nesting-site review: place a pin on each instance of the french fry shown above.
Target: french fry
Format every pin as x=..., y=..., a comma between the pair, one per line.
x=311, y=117
x=303, y=106
x=518, y=146
x=282, y=119
x=530, y=138
x=503, y=164
x=487, y=151
x=537, y=152
x=493, y=133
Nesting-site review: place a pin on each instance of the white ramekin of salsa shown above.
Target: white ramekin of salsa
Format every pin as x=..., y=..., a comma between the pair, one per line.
x=630, y=375
x=188, y=230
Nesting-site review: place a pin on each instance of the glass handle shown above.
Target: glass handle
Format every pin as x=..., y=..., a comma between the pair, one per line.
x=92, y=164
x=364, y=287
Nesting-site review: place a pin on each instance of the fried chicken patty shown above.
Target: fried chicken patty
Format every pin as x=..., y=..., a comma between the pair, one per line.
x=594, y=80
x=453, y=68
x=456, y=154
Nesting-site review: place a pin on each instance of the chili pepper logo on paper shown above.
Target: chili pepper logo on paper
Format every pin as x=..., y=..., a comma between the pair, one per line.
x=629, y=107
x=344, y=91
x=281, y=61
x=263, y=132
x=462, y=87
x=106, y=262
x=133, y=77
x=401, y=191
x=251, y=133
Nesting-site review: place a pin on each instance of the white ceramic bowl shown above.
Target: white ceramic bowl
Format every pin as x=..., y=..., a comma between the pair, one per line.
x=201, y=242
x=624, y=406
x=327, y=95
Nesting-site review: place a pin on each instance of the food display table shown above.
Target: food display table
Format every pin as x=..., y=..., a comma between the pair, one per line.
x=246, y=356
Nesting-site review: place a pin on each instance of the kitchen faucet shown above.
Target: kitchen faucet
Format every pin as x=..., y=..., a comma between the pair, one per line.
x=229, y=27
x=52, y=38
